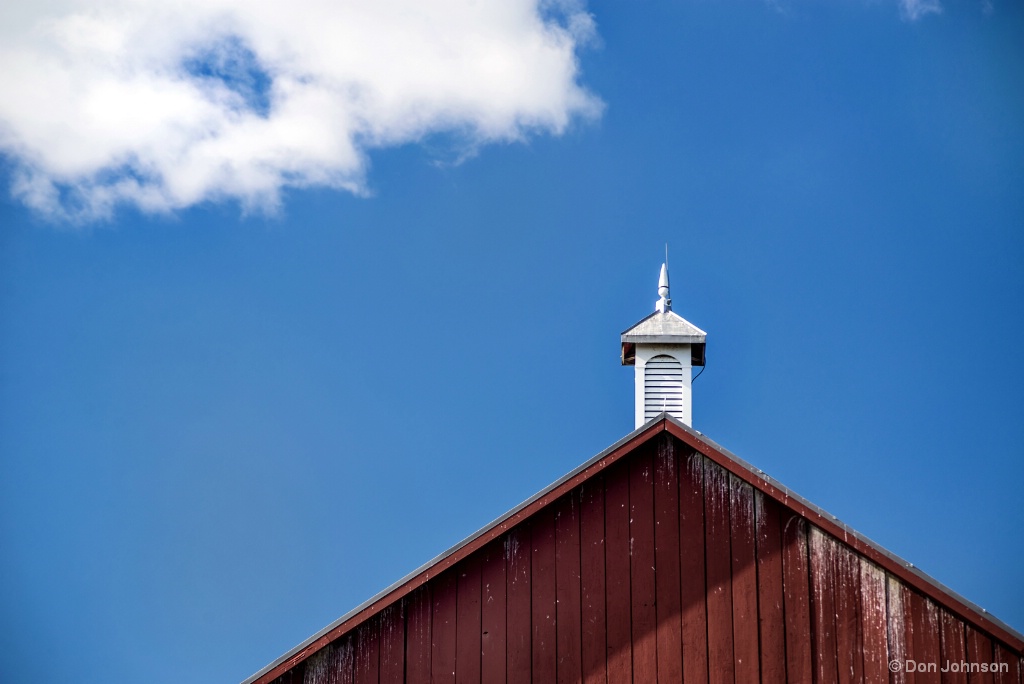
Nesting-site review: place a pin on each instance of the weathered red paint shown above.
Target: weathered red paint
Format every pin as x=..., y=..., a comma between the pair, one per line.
x=641, y=571
x=953, y=648
x=467, y=621
x=418, y=640
x=718, y=564
x=692, y=573
x=442, y=628
x=592, y=582
x=619, y=658
x=493, y=614
x=542, y=582
x=664, y=560
x=518, y=642
x=568, y=617
x=746, y=654
x=796, y=593
x=771, y=618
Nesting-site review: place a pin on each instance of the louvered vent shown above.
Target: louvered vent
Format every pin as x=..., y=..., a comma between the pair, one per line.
x=663, y=387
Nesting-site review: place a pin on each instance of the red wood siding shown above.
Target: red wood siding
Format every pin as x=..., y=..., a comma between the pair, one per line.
x=664, y=566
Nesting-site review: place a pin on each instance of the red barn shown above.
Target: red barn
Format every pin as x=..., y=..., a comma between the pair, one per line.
x=663, y=559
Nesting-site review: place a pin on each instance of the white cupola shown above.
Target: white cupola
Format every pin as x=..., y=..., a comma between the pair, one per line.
x=664, y=348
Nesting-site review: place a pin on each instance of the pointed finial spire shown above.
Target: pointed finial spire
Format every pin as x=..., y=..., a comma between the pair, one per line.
x=664, y=303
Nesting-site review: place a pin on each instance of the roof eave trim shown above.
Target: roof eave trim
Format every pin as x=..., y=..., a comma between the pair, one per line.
x=665, y=339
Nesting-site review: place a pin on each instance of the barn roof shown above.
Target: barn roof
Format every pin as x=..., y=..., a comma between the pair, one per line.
x=666, y=327
x=662, y=327
x=896, y=566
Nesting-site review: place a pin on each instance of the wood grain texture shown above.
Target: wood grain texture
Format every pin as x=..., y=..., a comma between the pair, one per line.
x=642, y=583
x=392, y=644
x=718, y=561
x=1009, y=665
x=693, y=585
x=568, y=620
x=953, y=647
x=620, y=650
x=874, y=622
x=926, y=639
x=744, y=582
x=796, y=598
x=849, y=630
x=443, y=635
x=542, y=584
x=666, y=563
x=769, y=589
x=518, y=647
x=367, y=663
x=592, y=582
x=467, y=622
x=979, y=650
x=823, y=583
x=493, y=613
x=418, y=641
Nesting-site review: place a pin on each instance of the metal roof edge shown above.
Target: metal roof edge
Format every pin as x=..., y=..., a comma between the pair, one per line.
x=902, y=566
x=653, y=313
x=700, y=332
x=667, y=339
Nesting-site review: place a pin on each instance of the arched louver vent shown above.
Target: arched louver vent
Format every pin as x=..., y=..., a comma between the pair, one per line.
x=663, y=387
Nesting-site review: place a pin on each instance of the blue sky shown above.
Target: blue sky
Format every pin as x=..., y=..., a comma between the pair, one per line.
x=245, y=384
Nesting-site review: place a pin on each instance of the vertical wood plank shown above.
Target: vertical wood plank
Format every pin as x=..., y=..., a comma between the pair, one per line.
x=721, y=668
x=641, y=572
x=542, y=582
x=953, y=649
x=417, y=645
x=693, y=586
x=874, y=622
x=467, y=621
x=620, y=652
x=979, y=650
x=331, y=665
x=849, y=639
x=744, y=581
x=666, y=562
x=901, y=631
x=493, y=614
x=1008, y=665
x=319, y=668
x=823, y=584
x=392, y=644
x=796, y=598
x=442, y=629
x=346, y=653
x=367, y=663
x=568, y=620
x=926, y=639
x=769, y=588
x=592, y=581
x=518, y=642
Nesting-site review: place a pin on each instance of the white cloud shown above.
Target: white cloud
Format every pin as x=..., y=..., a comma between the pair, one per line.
x=109, y=102
x=915, y=9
